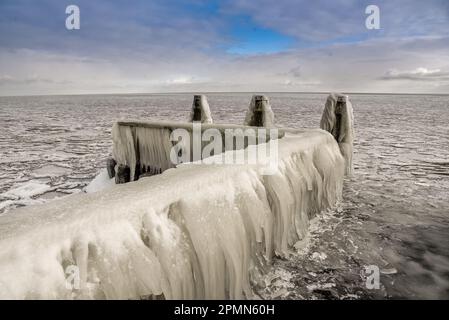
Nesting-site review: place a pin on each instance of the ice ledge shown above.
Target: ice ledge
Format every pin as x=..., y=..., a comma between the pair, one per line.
x=197, y=231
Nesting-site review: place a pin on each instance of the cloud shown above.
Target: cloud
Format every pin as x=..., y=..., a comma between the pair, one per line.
x=418, y=74
x=32, y=79
x=165, y=46
x=295, y=72
x=343, y=20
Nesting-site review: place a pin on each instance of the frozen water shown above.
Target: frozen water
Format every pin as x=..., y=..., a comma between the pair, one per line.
x=159, y=235
x=27, y=190
x=395, y=209
x=100, y=182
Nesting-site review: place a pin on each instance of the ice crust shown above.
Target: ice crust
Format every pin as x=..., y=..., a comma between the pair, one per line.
x=195, y=231
x=267, y=112
x=100, y=182
x=148, y=144
x=204, y=108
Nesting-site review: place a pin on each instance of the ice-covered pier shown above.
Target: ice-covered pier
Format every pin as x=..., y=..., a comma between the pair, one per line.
x=186, y=231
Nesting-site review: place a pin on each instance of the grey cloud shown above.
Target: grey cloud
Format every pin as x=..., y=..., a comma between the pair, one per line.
x=323, y=20
x=419, y=74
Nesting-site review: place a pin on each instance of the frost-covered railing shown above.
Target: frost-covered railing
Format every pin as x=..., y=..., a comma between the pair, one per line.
x=146, y=148
x=197, y=231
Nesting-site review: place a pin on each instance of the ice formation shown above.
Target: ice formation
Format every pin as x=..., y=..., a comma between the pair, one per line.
x=338, y=119
x=200, y=110
x=27, y=190
x=196, y=231
x=100, y=182
x=145, y=147
x=259, y=113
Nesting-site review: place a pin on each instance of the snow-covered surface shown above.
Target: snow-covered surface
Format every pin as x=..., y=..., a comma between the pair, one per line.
x=100, y=182
x=197, y=231
x=24, y=194
x=149, y=144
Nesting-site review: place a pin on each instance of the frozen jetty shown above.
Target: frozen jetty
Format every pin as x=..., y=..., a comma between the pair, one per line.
x=194, y=231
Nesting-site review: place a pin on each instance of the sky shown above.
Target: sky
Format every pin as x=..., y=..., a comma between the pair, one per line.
x=146, y=46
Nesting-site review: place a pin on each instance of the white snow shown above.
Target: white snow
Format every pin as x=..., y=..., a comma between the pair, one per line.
x=149, y=144
x=197, y=231
x=100, y=182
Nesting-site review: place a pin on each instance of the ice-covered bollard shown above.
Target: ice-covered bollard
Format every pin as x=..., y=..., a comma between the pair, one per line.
x=338, y=119
x=200, y=110
x=259, y=113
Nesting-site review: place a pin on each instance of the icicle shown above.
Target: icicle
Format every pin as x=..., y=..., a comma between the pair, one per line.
x=154, y=147
x=200, y=231
x=259, y=113
x=123, y=151
x=146, y=147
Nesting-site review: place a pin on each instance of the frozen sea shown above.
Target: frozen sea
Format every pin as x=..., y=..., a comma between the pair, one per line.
x=395, y=213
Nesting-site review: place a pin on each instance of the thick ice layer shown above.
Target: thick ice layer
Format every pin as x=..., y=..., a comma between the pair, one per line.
x=100, y=182
x=197, y=231
x=149, y=147
x=148, y=144
x=342, y=129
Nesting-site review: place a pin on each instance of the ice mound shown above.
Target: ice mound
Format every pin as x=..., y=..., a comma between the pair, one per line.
x=100, y=182
x=196, y=231
x=338, y=119
x=200, y=110
x=259, y=113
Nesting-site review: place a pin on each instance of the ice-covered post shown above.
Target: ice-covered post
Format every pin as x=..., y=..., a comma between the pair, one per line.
x=338, y=119
x=259, y=113
x=200, y=110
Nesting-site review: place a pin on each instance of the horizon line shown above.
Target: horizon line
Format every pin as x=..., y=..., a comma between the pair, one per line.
x=215, y=92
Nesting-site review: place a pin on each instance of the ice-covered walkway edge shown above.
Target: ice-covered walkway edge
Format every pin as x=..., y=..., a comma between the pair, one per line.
x=161, y=235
